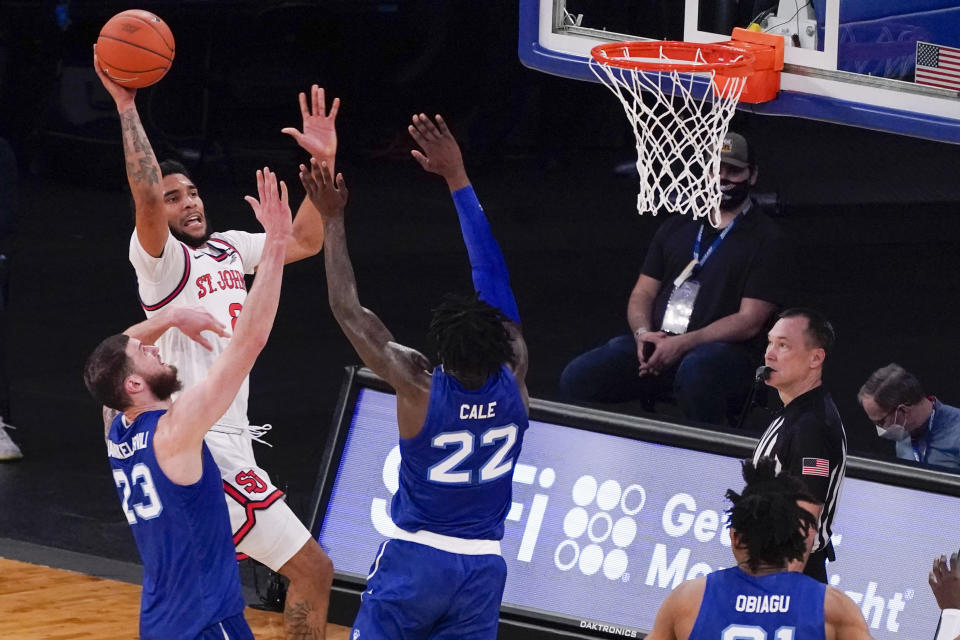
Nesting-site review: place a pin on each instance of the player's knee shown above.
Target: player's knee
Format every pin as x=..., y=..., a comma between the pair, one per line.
x=324, y=567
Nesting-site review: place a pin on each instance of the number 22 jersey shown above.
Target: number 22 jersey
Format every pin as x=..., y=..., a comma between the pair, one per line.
x=456, y=475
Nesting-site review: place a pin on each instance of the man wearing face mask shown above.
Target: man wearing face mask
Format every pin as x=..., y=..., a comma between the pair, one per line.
x=699, y=309
x=924, y=429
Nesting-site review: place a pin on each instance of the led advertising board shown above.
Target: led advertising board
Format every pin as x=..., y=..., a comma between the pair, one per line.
x=604, y=525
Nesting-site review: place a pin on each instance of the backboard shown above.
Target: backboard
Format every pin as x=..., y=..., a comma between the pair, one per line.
x=887, y=65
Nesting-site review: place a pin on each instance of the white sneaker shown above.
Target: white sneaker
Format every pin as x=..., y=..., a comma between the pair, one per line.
x=8, y=448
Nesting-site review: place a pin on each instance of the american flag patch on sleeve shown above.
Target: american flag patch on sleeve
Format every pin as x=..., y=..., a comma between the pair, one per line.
x=816, y=467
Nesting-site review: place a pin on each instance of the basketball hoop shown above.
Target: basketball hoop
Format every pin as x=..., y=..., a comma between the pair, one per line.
x=692, y=91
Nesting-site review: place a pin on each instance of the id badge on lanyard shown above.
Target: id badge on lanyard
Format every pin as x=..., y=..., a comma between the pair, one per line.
x=676, y=318
x=922, y=449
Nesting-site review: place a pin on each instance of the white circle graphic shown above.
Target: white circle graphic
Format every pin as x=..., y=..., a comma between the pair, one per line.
x=641, y=500
x=575, y=522
x=391, y=470
x=584, y=490
x=566, y=566
x=590, y=559
x=615, y=564
x=547, y=477
x=609, y=495
x=624, y=531
x=597, y=537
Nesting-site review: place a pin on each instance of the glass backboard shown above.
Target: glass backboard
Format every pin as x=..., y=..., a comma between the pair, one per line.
x=889, y=65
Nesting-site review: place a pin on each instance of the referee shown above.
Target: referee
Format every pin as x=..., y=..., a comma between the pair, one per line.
x=807, y=437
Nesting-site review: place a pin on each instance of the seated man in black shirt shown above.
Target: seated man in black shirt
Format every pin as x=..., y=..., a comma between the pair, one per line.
x=698, y=312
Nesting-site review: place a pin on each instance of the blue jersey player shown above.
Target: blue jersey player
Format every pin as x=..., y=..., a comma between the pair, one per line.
x=168, y=483
x=765, y=596
x=440, y=575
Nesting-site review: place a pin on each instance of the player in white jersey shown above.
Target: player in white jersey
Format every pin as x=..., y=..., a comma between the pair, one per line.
x=180, y=262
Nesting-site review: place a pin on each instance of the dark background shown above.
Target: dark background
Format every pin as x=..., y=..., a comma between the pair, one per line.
x=875, y=217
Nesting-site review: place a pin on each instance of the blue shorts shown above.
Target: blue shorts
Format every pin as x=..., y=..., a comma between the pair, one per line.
x=415, y=591
x=232, y=628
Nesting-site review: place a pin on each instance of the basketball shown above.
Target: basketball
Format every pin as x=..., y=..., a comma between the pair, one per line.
x=135, y=48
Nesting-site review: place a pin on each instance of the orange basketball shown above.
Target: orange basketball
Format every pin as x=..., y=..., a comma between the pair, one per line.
x=135, y=48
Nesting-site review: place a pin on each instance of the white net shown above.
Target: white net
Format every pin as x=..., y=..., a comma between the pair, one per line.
x=680, y=122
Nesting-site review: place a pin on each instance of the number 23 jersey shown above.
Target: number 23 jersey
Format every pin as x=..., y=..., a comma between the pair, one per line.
x=190, y=575
x=456, y=475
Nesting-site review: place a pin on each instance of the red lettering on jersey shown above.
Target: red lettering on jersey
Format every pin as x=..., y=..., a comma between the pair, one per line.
x=205, y=285
x=251, y=482
x=234, y=311
x=231, y=279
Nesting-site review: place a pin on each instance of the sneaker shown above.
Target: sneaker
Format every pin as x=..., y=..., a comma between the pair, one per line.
x=8, y=448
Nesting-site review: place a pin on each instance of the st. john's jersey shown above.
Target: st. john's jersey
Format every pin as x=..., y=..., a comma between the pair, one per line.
x=211, y=278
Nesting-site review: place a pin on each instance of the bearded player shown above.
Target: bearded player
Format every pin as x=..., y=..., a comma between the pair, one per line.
x=179, y=262
x=167, y=481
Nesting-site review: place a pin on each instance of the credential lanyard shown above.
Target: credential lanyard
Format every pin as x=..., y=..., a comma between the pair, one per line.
x=917, y=454
x=697, y=261
x=696, y=247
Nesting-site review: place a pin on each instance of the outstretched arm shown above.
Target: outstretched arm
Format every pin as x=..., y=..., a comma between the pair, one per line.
x=319, y=139
x=198, y=408
x=441, y=155
x=191, y=321
x=401, y=367
x=143, y=170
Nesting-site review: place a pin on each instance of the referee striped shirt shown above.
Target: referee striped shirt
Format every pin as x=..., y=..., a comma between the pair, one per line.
x=808, y=441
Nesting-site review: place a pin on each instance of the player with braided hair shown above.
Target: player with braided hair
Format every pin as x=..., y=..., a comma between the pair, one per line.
x=469, y=335
x=440, y=575
x=768, y=517
x=773, y=525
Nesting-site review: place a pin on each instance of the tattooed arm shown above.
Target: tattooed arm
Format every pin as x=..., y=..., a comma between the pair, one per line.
x=143, y=170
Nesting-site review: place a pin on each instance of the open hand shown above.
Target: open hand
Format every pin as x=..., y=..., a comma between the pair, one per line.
x=273, y=208
x=192, y=321
x=329, y=196
x=441, y=153
x=122, y=96
x=319, y=136
x=944, y=581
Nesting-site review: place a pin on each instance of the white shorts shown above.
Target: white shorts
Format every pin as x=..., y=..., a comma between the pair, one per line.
x=264, y=527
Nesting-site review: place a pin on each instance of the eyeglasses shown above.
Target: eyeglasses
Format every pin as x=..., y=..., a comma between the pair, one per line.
x=881, y=423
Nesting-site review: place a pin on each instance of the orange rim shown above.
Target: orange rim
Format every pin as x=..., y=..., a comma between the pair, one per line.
x=680, y=57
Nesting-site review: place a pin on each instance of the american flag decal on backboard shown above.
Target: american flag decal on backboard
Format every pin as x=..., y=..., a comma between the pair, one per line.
x=938, y=66
x=816, y=467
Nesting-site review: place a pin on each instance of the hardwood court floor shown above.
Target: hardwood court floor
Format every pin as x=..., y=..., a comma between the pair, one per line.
x=40, y=603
